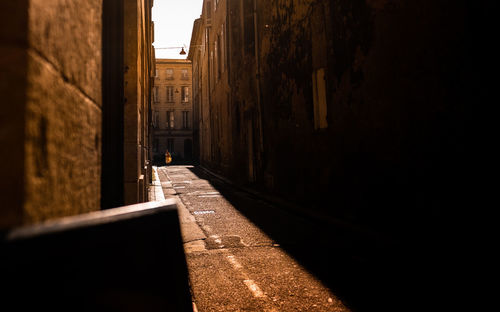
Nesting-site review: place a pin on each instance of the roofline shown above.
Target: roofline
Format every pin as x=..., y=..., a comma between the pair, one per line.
x=194, y=35
x=172, y=61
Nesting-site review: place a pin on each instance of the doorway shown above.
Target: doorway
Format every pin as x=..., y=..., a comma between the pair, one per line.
x=188, y=149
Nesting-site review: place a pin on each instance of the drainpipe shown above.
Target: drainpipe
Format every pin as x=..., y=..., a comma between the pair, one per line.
x=257, y=76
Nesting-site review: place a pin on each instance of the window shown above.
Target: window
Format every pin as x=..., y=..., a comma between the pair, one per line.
x=185, y=94
x=218, y=59
x=185, y=120
x=184, y=74
x=211, y=67
x=156, y=119
x=319, y=99
x=156, y=95
x=170, y=73
x=207, y=38
x=170, y=145
x=170, y=119
x=223, y=47
x=170, y=94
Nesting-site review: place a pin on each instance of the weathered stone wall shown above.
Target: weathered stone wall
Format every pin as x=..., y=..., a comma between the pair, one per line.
x=63, y=113
x=220, y=109
x=245, y=100
x=138, y=73
x=389, y=144
x=201, y=60
x=54, y=63
x=195, y=57
x=51, y=113
x=394, y=108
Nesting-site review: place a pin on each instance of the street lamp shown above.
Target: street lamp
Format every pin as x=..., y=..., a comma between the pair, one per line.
x=183, y=52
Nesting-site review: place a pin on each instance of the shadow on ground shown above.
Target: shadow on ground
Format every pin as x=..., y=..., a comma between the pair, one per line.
x=366, y=270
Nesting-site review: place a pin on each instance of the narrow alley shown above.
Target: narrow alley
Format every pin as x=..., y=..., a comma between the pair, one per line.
x=233, y=264
x=237, y=155
x=246, y=253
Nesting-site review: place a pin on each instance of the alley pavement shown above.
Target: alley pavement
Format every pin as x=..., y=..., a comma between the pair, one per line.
x=246, y=252
x=234, y=265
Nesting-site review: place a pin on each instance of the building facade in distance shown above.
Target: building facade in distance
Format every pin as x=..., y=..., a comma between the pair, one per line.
x=172, y=111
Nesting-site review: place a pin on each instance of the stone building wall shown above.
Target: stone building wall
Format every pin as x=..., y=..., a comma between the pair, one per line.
x=51, y=112
x=138, y=72
x=51, y=109
x=357, y=102
x=210, y=54
x=181, y=135
x=393, y=79
x=195, y=50
x=199, y=55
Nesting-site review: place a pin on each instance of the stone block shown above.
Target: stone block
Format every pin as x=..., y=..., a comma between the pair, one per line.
x=62, y=145
x=68, y=35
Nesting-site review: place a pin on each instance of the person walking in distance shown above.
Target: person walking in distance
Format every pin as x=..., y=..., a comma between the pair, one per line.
x=168, y=157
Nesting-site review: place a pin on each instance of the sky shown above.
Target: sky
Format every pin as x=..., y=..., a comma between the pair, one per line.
x=173, y=26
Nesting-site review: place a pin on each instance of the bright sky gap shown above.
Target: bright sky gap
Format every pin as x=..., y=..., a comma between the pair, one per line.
x=173, y=26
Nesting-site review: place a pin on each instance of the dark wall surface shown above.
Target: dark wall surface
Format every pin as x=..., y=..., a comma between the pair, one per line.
x=123, y=259
x=394, y=76
x=388, y=155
